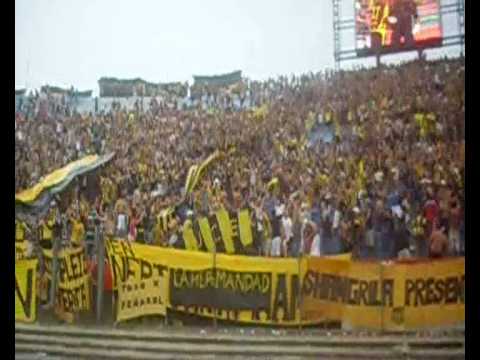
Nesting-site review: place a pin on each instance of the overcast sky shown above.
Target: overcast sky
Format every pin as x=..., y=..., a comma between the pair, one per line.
x=74, y=42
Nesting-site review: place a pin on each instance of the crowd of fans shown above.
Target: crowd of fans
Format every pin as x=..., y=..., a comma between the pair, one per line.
x=389, y=183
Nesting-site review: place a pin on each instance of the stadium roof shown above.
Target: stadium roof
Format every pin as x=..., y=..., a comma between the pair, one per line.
x=224, y=79
x=71, y=92
x=121, y=81
x=112, y=80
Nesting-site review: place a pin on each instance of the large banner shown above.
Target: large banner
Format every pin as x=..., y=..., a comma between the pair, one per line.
x=324, y=289
x=389, y=296
x=73, y=285
x=238, y=288
x=415, y=295
x=310, y=290
x=141, y=278
x=25, y=289
x=247, y=289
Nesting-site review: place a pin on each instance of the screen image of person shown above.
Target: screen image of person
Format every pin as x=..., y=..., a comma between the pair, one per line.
x=402, y=19
x=379, y=11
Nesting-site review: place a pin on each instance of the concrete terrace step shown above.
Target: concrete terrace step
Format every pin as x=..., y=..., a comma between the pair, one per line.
x=111, y=352
x=189, y=348
x=74, y=342
x=212, y=337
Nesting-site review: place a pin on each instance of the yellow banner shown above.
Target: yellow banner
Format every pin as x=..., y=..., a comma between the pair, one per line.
x=365, y=294
x=234, y=230
x=411, y=296
x=141, y=298
x=310, y=290
x=391, y=296
x=140, y=275
x=20, y=250
x=323, y=286
x=73, y=291
x=237, y=288
x=25, y=290
x=258, y=290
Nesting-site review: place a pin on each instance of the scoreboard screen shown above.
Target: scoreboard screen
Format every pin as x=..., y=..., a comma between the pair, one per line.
x=396, y=25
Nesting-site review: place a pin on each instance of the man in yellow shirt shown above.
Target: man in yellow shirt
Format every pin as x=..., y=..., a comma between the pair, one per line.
x=78, y=230
x=47, y=230
x=20, y=228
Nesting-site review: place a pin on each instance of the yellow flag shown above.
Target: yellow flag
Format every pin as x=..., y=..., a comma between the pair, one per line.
x=273, y=184
x=245, y=228
x=206, y=232
x=226, y=230
x=189, y=237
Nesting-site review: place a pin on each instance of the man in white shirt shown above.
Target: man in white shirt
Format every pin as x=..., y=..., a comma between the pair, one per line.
x=310, y=240
x=276, y=250
x=286, y=232
x=315, y=249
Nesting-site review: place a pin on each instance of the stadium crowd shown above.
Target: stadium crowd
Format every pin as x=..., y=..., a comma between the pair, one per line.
x=369, y=161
